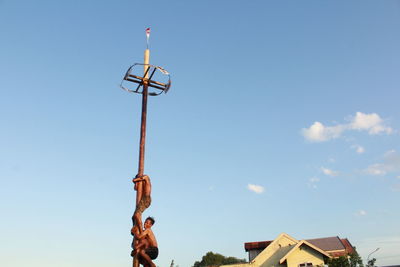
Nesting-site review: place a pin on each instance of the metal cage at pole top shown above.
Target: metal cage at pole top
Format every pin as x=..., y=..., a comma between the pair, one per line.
x=147, y=78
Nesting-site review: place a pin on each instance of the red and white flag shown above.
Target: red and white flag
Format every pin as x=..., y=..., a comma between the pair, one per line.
x=148, y=36
x=148, y=33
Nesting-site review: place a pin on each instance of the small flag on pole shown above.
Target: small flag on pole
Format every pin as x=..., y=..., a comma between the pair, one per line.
x=148, y=36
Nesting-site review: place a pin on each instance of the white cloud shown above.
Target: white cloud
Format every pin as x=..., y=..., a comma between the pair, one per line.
x=372, y=123
x=361, y=213
x=320, y=133
x=255, y=188
x=391, y=164
x=359, y=149
x=376, y=169
x=369, y=122
x=329, y=172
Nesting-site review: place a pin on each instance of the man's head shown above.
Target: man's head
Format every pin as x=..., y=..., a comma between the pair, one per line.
x=149, y=222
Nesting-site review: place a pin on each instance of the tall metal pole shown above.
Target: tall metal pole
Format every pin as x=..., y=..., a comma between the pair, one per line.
x=135, y=262
x=142, y=143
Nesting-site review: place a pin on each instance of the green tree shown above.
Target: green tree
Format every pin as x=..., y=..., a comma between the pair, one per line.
x=216, y=259
x=354, y=260
x=339, y=262
x=371, y=263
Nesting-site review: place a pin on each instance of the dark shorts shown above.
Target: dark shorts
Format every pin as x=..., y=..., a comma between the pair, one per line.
x=152, y=252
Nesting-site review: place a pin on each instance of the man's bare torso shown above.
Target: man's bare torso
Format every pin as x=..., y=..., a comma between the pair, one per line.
x=151, y=238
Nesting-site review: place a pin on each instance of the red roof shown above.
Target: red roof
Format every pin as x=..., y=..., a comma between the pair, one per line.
x=256, y=245
x=328, y=243
x=349, y=248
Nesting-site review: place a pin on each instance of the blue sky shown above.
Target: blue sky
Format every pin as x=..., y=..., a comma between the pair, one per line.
x=283, y=117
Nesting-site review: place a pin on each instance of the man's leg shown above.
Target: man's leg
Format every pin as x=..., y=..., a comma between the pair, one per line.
x=142, y=262
x=138, y=220
x=140, y=245
x=139, y=191
x=146, y=258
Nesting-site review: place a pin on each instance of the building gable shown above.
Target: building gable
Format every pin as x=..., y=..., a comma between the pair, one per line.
x=271, y=255
x=303, y=255
x=306, y=250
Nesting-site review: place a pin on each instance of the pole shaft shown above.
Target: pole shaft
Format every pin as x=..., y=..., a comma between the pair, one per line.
x=143, y=130
x=135, y=261
x=144, y=115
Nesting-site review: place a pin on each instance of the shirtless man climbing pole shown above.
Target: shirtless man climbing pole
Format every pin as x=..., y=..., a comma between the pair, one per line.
x=143, y=199
x=150, y=251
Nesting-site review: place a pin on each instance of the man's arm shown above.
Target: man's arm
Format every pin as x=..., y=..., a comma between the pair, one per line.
x=143, y=234
x=139, y=179
x=135, y=231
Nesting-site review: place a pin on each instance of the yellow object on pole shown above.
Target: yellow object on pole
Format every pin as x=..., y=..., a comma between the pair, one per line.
x=146, y=61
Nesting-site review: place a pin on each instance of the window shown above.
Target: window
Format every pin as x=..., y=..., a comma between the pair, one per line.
x=306, y=264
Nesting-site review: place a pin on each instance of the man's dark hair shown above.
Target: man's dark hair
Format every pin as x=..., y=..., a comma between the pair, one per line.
x=151, y=219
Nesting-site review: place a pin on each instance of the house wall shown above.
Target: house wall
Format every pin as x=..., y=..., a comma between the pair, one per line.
x=254, y=253
x=304, y=254
x=271, y=255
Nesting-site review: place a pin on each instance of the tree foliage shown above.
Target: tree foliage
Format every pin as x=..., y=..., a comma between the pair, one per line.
x=354, y=260
x=339, y=262
x=216, y=259
x=371, y=263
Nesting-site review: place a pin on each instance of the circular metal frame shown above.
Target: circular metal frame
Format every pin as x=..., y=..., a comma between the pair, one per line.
x=151, y=70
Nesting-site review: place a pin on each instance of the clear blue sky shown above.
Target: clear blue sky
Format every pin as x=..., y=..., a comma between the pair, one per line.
x=283, y=117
